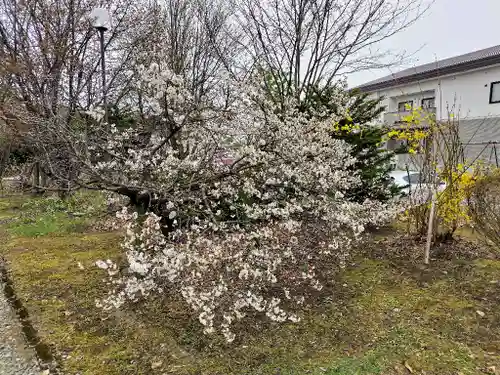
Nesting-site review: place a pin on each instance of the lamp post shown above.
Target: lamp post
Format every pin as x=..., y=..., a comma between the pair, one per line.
x=101, y=22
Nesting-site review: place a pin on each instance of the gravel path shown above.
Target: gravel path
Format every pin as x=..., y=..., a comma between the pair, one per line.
x=15, y=357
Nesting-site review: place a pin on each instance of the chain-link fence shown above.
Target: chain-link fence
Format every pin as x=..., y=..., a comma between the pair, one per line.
x=487, y=152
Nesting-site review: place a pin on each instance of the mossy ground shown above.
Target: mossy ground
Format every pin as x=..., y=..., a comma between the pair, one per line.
x=385, y=315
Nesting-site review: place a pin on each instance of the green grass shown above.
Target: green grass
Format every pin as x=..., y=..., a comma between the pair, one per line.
x=41, y=216
x=46, y=224
x=381, y=316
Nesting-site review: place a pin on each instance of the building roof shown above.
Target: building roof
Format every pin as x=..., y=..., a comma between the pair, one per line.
x=472, y=60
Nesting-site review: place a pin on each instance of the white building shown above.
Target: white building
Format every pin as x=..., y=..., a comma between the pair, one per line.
x=467, y=86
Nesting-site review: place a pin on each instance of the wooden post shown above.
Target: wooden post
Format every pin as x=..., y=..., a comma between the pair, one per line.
x=430, y=224
x=430, y=229
x=43, y=179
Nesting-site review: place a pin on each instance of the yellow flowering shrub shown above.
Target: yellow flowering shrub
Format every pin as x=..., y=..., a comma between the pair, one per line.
x=452, y=207
x=346, y=126
x=413, y=138
x=484, y=207
x=411, y=129
x=443, y=158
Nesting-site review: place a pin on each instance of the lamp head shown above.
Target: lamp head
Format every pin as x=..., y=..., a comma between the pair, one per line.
x=101, y=19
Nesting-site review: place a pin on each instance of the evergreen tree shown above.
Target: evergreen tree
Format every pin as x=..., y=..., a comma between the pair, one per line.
x=374, y=162
x=360, y=129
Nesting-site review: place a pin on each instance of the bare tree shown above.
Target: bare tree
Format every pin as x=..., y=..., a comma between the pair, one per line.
x=53, y=70
x=43, y=43
x=305, y=43
x=50, y=57
x=188, y=37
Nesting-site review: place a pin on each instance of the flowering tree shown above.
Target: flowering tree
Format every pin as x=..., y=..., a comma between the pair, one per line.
x=239, y=202
x=241, y=206
x=51, y=61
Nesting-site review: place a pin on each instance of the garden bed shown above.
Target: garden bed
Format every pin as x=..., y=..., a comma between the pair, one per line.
x=386, y=314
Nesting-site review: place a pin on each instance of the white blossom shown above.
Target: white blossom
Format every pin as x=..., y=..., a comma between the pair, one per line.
x=258, y=198
x=101, y=264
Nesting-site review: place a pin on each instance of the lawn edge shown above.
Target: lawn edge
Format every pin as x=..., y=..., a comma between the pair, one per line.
x=45, y=356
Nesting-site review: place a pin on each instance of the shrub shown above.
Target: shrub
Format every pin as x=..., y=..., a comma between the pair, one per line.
x=484, y=206
x=452, y=207
x=225, y=276
x=437, y=153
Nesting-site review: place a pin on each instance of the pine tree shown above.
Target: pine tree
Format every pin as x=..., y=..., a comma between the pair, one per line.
x=373, y=161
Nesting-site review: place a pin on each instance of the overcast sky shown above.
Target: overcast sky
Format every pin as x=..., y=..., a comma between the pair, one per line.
x=449, y=28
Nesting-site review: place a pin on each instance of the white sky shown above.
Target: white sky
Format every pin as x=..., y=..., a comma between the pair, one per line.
x=449, y=28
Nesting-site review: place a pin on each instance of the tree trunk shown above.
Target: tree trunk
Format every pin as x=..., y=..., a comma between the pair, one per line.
x=36, y=178
x=43, y=179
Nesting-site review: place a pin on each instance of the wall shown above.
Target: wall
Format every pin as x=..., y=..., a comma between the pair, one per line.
x=415, y=92
x=466, y=94
x=469, y=93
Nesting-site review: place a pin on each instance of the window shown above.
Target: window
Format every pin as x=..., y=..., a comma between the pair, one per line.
x=495, y=92
x=428, y=103
x=399, y=146
x=402, y=146
x=405, y=106
x=393, y=144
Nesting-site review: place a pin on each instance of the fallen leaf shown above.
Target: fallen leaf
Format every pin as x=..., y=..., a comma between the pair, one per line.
x=157, y=364
x=398, y=368
x=408, y=367
x=480, y=313
x=492, y=370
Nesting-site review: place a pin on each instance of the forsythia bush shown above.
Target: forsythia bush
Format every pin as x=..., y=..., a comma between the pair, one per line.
x=440, y=162
x=453, y=201
x=418, y=126
x=413, y=138
x=250, y=232
x=484, y=207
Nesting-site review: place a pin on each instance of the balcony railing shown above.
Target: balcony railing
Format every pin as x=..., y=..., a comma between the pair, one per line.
x=399, y=118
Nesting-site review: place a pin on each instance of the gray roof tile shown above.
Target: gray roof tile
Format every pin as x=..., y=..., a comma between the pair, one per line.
x=441, y=66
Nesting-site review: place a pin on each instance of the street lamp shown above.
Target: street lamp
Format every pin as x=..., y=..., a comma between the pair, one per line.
x=101, y=22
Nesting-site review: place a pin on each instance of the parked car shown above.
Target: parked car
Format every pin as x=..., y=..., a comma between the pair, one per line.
x=415, y=184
